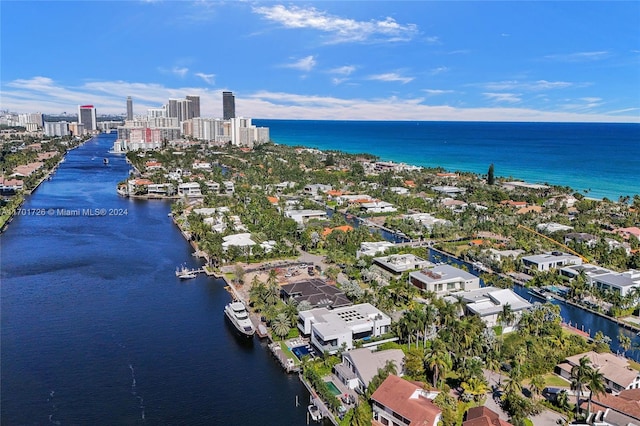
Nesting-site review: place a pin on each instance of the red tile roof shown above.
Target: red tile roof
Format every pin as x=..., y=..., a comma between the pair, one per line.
x=403, y=398
x=483, y=416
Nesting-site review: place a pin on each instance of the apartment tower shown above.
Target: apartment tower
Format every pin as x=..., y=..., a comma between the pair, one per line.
x=87, y=117
x=195, y=106
x=129, y=108
x=228, y=106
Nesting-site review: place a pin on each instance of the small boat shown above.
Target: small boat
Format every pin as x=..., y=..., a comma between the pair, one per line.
x=314, y=412
x=105, y=161
x=185, y=274
x=237, y=314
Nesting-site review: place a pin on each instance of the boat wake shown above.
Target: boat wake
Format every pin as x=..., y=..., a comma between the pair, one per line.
x=54, y=408
x=134, y=392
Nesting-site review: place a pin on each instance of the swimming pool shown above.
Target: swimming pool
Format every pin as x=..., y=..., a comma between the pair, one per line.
x=333, y=388
x=300, y=351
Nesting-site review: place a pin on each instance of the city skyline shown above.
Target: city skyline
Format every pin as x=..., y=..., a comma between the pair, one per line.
x=466, y=61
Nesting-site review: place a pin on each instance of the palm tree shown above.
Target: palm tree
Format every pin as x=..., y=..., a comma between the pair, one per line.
x=476, y=387
x=625, y=342
x=579, y=376
x=595, y=382
x=280, y=325
x=507, y=316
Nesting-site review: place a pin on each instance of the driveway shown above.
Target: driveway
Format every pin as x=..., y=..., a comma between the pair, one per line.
x=546, y=418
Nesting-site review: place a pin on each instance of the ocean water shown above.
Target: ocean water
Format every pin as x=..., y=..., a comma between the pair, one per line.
x=96, y=329
x=597, y=159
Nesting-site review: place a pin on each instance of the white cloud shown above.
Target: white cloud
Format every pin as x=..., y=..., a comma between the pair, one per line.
x=208, y=78
x=503, y=97
x=390, y=76
x=345, y=70
x=178, y=71
x=579, y=56
x=45, y=95
x=341, y=29
x=434, y=92
x=304, y=64
x=530, y=86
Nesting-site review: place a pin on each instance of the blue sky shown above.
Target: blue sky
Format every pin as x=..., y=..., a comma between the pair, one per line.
x=413, y=60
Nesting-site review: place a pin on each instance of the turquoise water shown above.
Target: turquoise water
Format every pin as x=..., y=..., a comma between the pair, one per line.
x=598, y=159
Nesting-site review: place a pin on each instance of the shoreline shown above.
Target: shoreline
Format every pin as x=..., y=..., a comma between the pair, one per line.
x=507, y=167
x=47, y=176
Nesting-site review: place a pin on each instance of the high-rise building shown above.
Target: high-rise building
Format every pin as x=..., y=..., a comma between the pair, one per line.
x=228, y=106
x=195, y=106
x=129, y=108
x=172, y=108
x=87, y=117
x=184, y=109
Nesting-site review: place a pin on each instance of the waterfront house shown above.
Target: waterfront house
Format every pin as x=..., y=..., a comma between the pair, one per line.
x=337, y=329
x=11, y=185
x=189, y=189
x=605, y=279
x=371, y=248
x=138, y=186
x=353, y=199
x=444, y=279
x=500, y=255
x=160, y=189
x=616, y=370
x=549, y=261
x=377, y=207
x=360, y=366
x=400, y=402
x=316, y=292
x=243, y=241
x=393, y=266
x=426, y=220
x=302, y=216
x=489, y=302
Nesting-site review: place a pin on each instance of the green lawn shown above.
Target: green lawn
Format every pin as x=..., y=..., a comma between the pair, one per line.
x=553, y=380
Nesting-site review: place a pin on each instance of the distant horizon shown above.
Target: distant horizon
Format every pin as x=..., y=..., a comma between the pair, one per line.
x=479, y=61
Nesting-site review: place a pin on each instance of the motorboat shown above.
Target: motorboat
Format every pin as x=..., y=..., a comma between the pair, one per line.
x=237, y=314
x=314, y=411
x=185, y=273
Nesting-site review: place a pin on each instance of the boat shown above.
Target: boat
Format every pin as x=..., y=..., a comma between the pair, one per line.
x=237, y=314
x=314, y=412
x=105, y=161
x=185, y=274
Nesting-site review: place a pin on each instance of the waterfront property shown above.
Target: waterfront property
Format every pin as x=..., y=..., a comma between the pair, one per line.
x=189, y=189
x=316, y=292
x=605, y=279
x=617, y=372
x=371, y=248
x=302, y=216
x=443, y=279
x=336, y=329
x=397, y=400
x=359, y=366
x=549, y=261
x=393, y=266
x=489, y=302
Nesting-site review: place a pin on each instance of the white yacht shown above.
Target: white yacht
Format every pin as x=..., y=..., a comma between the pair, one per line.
x=237, y=313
